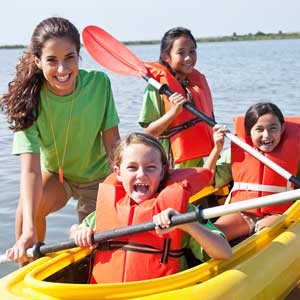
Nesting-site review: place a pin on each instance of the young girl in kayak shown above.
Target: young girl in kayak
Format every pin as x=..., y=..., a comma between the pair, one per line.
x=185, y=137
x=141, y=188
x=65, y=123
x=265, y=129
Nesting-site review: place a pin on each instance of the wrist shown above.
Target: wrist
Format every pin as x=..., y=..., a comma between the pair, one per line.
x=216, y=151
x=172, y=113
x=29, y=231
x=186, y=227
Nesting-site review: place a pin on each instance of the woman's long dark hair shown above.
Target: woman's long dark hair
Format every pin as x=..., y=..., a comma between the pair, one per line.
x=21, y=102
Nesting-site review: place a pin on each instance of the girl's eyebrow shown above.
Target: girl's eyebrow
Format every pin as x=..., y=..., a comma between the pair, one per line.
x=71, y=53
x=67, y=55
x=272, y=124
x=50, y=56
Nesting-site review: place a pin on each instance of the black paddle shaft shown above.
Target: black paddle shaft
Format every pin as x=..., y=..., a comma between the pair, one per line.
x=164, y=89
x=39, y=249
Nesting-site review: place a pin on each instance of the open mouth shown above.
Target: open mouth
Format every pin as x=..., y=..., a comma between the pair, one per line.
x=266, y=143
x=141, y=188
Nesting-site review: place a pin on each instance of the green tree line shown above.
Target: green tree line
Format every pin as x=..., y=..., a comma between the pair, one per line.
x=234, y=37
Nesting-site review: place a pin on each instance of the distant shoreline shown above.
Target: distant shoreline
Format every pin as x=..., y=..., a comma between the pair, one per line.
x=230, y=38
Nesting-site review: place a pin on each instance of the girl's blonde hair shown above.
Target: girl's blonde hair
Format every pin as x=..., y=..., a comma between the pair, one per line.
x=140, y=138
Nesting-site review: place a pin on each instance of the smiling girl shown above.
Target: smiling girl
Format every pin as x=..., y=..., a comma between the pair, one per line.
x=65, y=123
x=278, y=138
x=141, y=188
x=185, y=137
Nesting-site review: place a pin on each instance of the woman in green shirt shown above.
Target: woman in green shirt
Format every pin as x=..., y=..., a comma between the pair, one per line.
x=65, y=125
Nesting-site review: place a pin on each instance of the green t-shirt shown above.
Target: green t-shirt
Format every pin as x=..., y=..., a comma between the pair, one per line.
x=187, y=242
x=152, y=109
x=223, y=174
x=93, y=113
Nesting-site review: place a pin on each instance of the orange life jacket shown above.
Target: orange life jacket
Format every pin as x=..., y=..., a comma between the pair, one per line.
x=254, y=179
x=189, y=136
x=115, y=209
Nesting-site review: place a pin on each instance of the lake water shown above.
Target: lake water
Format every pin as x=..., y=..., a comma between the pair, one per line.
x=239, y=74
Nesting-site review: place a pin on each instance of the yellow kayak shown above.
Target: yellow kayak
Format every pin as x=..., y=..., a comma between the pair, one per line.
x=265, y=266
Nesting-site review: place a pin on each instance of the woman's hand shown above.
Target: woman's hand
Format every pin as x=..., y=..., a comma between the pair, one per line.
x=18, y=251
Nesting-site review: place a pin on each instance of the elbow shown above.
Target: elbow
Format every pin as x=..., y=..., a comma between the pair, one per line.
x=150, y=131
x=226, y=254
x=147, y=130
x=212, y=180
x=224, y=251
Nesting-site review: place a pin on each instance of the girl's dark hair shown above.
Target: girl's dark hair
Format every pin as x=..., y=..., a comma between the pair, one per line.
x=168, y=39
x=140, y=138
x=21, y=102
x=257, y=110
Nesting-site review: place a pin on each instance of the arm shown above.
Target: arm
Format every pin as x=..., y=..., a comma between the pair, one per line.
x=218, y=135
x=160, y=125
x=30, y=195
x=111, y=137
x=213, y=244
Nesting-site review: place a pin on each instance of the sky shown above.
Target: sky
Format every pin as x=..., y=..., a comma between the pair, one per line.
x=131, y=20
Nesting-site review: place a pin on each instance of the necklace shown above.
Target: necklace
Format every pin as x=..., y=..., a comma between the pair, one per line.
x=60, y=163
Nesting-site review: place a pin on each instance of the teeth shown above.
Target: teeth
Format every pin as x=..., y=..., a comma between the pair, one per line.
x=141, y=187
x=267, y=143
x=141, y=184
x=63, y=78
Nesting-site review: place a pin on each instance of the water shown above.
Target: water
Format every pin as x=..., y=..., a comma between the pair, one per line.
x=239, y=74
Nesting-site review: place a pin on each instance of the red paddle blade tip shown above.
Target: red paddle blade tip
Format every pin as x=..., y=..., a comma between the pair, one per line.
x=110, y=53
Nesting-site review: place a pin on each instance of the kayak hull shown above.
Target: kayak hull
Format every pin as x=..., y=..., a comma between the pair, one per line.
x=265, y=266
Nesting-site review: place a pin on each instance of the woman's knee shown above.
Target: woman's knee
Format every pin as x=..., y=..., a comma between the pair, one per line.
x=54, y=196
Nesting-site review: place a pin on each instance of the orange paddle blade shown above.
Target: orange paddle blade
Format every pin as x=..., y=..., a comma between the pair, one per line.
x=110, y=53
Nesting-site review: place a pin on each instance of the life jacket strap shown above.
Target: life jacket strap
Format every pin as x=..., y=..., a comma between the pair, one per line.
x=166, y=252
x=170, y=132
x=245, y=186
x=176, y=129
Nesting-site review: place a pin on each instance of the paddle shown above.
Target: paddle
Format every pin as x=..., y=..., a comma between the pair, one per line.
x=115, y=56
x=40, y=249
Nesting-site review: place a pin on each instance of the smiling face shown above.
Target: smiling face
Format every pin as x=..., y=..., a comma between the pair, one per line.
x=182, y=57
x=59, y=64
x=266, y=132
x=140, y=171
